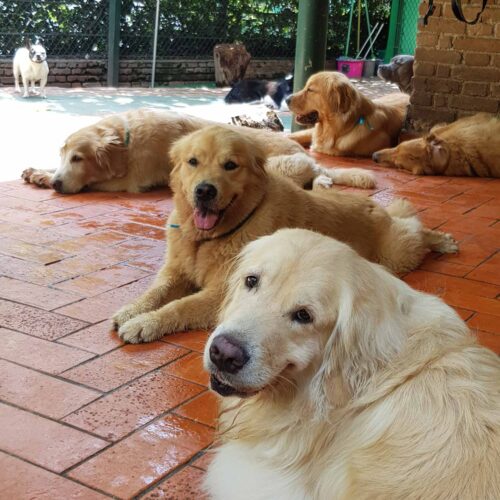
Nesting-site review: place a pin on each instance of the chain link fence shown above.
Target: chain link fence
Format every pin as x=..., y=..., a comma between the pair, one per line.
x=406, y=27
x=187, y=29
x=70, y=29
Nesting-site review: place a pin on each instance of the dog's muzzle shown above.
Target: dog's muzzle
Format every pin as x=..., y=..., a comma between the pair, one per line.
x=58, y=186
x=308, y=119
x=228, y=354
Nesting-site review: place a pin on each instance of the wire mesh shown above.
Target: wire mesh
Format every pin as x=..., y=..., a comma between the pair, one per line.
x=72, y=29
x=187, y=29
x=406, y=34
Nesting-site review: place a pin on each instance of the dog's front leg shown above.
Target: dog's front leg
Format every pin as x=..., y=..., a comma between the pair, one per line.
x=303, y=137
x=25, y=85
x=41, y=178
x=16, y=80
x=193, y=312
x=168, y=286
x=43, y=82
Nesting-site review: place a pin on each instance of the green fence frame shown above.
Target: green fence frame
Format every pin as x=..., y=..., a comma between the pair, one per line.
x=403, y=26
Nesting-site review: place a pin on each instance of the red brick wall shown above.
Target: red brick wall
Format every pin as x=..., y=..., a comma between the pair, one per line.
x=457, y=69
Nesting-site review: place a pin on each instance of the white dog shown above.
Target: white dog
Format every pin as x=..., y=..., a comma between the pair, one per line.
x=342, y=382
x=31, y=63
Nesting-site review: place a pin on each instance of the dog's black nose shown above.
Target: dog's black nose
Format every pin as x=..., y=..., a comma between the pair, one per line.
x=58, y=186
x=375, y=157
x=227, y=354
x=205, y=191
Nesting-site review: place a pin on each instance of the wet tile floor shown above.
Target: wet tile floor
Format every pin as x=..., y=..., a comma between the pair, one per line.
x=83, y=416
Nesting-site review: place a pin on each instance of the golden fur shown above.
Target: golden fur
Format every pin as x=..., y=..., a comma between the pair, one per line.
x=253, y=202
x=99, y=157
x=468, y=147
x=384, y=395
x=335, y=106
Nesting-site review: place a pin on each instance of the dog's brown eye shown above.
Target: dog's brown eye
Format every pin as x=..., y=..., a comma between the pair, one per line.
x=251, y=281
x=230, y=165
x=193, y=162
x=76, y=158
x=309, y=90
x=302, y=316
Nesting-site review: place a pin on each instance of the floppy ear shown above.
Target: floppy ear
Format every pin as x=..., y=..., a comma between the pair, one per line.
x=258, y=158
x=27, y=43
x=437, y=151
x=368, y=332
x=342, y=96
x=110, y=154
x=176, y=157
x=175, y=152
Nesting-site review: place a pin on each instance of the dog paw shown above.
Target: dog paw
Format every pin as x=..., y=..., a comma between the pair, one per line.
x=123, y=315
x=27, y=173
x=322, y=182
x=443, y=243
x=38, y=177
x=143, y=328
x=448, y=244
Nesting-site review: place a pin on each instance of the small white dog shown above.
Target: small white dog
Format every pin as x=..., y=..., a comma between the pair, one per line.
x=340, y=382
x=31, y=63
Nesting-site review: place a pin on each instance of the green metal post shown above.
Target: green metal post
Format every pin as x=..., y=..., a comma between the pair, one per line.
x=369, y=25
x=114, y=42
x=310, y=49
x=393, y=28
x=351, y=12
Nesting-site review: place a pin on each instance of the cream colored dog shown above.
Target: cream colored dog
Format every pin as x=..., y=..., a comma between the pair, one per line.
x=30, y=62
x=225, y=197
x=130, y=152
x=342, y=382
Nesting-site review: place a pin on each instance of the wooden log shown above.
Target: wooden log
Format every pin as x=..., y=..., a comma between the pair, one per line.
x=231, y=62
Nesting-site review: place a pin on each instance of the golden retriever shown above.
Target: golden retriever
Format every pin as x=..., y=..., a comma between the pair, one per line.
x=342, y=382
x=129, y=152
x=346, y=123
x=468, y=147
x=224, y=197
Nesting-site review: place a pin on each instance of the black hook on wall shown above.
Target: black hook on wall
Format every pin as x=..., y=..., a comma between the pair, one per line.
x=456, y=6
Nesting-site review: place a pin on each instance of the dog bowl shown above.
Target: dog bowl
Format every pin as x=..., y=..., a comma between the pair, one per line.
x=353, y=68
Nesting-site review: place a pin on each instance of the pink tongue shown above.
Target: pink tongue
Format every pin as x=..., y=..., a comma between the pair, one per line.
x=205, y=221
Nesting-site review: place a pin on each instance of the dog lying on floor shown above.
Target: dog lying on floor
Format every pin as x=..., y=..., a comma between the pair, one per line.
x=342, y=382
x=225, y=197
x=398, y=71
x=345, y=122
x=468, y=147
x=129, y=152
x=251, y=90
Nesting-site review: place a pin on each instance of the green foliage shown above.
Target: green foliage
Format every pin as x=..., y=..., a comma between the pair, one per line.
x=187, y=28
x=77, y=28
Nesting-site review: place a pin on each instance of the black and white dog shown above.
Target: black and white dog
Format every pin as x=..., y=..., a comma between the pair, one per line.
x=258, y=90
x=30, y=62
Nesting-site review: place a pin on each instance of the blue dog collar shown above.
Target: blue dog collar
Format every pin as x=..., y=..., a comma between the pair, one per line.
x=362, y=121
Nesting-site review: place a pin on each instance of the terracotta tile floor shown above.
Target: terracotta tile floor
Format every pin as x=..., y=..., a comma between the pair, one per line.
x=83, y=416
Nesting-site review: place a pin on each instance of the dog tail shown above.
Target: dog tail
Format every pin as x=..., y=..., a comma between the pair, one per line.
x=401, y=208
